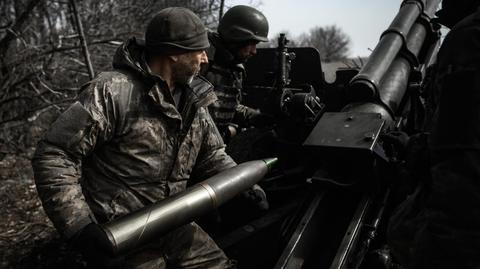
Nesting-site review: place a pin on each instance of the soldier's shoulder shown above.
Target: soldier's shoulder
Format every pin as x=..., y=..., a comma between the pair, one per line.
x=118, y=87
x=462, y=42
x=467, y=26
x=203, y=89
x=113, y=77
x=217, y=70
x=116, y=82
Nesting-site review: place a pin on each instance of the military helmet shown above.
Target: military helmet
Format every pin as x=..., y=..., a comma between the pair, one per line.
x=175, y=30
x=454, y=11
x=243, y=23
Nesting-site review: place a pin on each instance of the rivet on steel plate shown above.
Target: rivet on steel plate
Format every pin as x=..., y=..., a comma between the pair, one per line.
x=369, y=136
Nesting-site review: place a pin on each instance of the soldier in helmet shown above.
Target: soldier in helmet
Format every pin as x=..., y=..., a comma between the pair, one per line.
x=135, y=136
x=239, y=32
x=446, y=228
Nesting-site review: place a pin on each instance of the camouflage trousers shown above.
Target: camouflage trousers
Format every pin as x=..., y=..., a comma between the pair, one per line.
x=439, y=225
x=186, y=247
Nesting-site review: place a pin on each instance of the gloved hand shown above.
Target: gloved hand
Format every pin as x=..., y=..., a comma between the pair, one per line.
x=256, y=195
x=260, y=119
x=232, y=130
x=90, y=241
x=396, y=141
x=228, y=131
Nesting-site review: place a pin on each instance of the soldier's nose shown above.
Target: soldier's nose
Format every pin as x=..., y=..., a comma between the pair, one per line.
x=253, y=50
x=204, y=57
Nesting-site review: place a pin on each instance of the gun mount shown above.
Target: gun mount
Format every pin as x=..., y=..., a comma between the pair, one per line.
x=334, y=160
x=331, y=195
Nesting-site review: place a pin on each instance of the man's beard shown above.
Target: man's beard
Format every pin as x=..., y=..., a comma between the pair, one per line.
x=184, y=71
x=241, y=59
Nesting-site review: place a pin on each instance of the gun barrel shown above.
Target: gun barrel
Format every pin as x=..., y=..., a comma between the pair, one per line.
x=386, y=74
x=139, y=227
x=394, y=83
x=366, y=84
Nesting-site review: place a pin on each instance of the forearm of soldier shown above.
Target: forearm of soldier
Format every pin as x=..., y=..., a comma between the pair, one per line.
x=57, y=162
x=244, y=114
x=212, y=109
x=212, y=157
x=213, y=162
x=57, y=177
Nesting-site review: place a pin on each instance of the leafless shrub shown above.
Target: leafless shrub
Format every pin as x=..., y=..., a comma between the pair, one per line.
x=41, y=61
x=332, y=43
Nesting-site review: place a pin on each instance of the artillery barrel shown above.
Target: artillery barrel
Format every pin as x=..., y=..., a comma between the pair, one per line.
x=366, y=83
x=394, y=81
x=129, y=231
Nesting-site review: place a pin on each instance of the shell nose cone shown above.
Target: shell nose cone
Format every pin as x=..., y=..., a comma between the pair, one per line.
x=270, y=162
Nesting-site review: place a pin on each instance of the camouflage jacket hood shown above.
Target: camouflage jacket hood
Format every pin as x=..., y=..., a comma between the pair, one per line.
x=124, y=144
x=130, y=56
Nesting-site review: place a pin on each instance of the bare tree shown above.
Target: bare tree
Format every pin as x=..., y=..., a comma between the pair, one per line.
x=42, y=64
x=332, y=43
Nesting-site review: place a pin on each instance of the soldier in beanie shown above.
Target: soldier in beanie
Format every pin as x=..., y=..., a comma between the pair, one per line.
x=135, y=136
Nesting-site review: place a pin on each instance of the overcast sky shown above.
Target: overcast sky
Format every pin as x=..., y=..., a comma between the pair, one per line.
x=362, y=20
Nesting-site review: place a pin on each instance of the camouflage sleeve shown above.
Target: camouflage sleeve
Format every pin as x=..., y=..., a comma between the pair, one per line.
x=57, y=160
x=244, y=115
x=215, y=108
x=212, y=158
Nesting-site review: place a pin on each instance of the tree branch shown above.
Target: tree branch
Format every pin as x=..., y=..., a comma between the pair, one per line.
x=4, y=43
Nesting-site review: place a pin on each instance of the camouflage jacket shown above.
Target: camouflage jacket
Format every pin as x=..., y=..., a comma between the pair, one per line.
x=124, y=145
x=457, y=87
x=439, y=225
x=226, y=77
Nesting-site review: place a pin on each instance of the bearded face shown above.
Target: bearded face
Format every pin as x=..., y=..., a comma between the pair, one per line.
x=245, y=51
x=187, y=66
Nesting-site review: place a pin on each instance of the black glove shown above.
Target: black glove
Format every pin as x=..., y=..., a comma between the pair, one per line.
x=90, y=241
x=261, y=119
x=396, y=141
x=227, y=132
x=256, y=195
